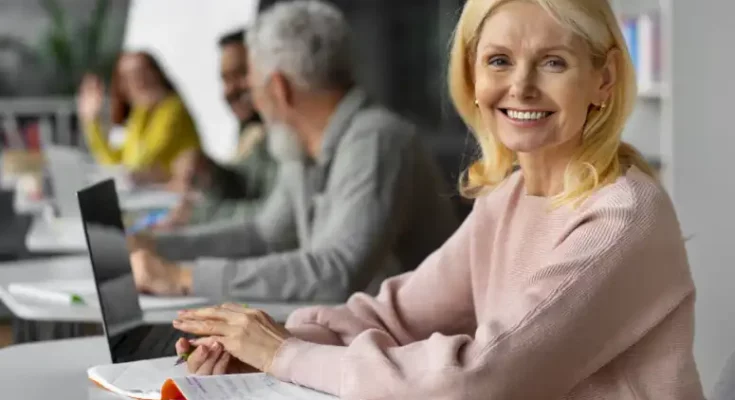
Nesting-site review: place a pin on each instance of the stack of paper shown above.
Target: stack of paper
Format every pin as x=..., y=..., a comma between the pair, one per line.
x=138, y=379
x=160, y=379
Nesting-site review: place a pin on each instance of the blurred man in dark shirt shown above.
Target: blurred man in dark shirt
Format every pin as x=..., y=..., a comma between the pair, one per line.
x=237, y=189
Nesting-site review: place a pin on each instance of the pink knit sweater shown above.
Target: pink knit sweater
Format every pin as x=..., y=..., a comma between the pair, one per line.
x=522, y=302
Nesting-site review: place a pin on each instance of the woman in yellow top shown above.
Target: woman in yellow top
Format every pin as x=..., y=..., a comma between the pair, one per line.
x=158, y=127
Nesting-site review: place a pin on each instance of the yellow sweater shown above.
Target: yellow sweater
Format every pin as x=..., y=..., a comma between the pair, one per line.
x=153, y=136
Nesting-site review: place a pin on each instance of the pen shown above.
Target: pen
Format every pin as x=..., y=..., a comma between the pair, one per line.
x=185, y=356
x=182, y=358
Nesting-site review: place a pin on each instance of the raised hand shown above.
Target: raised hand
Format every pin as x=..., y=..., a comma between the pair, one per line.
x=90, y=98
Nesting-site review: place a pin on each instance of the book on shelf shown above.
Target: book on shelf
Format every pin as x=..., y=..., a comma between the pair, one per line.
x=642, y=35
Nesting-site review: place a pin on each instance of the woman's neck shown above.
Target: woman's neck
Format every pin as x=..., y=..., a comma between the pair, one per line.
x=543, y=171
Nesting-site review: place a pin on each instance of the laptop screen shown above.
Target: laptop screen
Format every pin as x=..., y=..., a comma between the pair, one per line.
x=110, y=259
x=67, y=174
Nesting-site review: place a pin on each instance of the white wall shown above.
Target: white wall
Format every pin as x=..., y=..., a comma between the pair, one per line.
x=702, y=146
x=184, y=33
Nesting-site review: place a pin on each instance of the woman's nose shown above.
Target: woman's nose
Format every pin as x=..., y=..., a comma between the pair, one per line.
x=523, y=84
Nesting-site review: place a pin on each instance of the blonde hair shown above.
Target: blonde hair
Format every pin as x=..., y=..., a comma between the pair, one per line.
x=602, y=155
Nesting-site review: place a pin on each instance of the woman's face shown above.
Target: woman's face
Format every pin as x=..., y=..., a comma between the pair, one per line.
x=141, y=83
x=534, y=79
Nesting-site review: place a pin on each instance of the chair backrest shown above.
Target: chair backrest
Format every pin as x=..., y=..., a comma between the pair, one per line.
x=7, y=211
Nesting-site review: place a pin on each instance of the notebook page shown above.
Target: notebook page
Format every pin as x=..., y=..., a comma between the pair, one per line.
x=139, y=379
x=244, y=387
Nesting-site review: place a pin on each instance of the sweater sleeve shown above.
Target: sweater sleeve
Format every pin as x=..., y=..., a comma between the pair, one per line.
x=170, y=127
x=272, y=229
x=599, y=291
x=399, y=310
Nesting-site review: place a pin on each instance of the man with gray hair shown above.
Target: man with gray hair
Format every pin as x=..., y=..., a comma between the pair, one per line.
x=358, y=198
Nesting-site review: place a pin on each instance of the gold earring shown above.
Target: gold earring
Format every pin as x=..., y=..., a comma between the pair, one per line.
x=603, y=105
x=477, y=104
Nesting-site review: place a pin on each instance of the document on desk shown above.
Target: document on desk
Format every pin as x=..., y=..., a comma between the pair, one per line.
x=83, y=292
x=160, y=379
x=241, y=386
x=138, y=379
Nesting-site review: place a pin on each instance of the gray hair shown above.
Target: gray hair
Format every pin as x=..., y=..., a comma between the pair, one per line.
x=306, y=40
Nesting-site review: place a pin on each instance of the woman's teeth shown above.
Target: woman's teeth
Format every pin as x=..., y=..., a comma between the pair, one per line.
x=527, y=115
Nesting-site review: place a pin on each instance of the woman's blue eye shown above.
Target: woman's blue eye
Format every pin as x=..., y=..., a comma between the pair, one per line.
x=555, y=63
x=497, y=62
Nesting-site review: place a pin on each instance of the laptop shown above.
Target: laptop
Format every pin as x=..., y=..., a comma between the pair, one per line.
x=128, y=336
x=68, y=170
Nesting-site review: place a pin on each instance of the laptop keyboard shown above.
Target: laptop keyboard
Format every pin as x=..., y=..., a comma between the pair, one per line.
x=145, y=342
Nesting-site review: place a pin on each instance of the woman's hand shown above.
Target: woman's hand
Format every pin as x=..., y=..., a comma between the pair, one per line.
x=207, y=357
x=90, y=98
x=249, y=335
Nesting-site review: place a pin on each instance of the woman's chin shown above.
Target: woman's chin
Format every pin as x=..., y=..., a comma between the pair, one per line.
x=523, y=146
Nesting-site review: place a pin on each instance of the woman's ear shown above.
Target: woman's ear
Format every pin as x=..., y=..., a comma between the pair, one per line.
x=609, y=74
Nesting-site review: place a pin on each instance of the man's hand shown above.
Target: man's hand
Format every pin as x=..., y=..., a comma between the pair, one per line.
x=141, y=241
x=155, y=275
x=178, y=216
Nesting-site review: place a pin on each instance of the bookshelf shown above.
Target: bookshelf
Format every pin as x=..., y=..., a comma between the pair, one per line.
x=645, y=24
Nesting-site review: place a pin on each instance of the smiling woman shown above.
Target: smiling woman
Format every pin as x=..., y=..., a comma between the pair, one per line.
x=569, y=279
x=557, y=81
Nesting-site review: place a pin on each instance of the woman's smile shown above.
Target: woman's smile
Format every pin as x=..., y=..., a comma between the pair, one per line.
x=526, y=118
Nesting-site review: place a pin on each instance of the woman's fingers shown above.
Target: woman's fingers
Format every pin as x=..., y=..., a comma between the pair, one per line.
x=238, y=308
x=203, y=341
x=203, y=327
x=213, y=355
x=196, y=359
x=206, y=313
x=220, y=366
x=182, y=347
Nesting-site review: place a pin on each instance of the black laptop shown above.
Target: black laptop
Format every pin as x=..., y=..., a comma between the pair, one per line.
x=128, y=336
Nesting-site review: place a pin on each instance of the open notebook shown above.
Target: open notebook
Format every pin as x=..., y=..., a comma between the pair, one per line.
x=159, y=379
x=83, y=292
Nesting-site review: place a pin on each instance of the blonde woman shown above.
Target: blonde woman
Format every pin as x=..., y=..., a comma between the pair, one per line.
x=568, y=280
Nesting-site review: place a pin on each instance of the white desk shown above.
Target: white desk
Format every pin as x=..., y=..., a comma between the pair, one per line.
x=66, y=234
x=78, y=267
x=23, y=205
x=53, y=370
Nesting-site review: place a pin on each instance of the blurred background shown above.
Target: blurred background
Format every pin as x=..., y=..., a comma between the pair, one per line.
x=681, y=122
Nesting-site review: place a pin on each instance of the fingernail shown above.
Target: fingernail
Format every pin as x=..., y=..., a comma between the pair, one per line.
x=177, y=322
